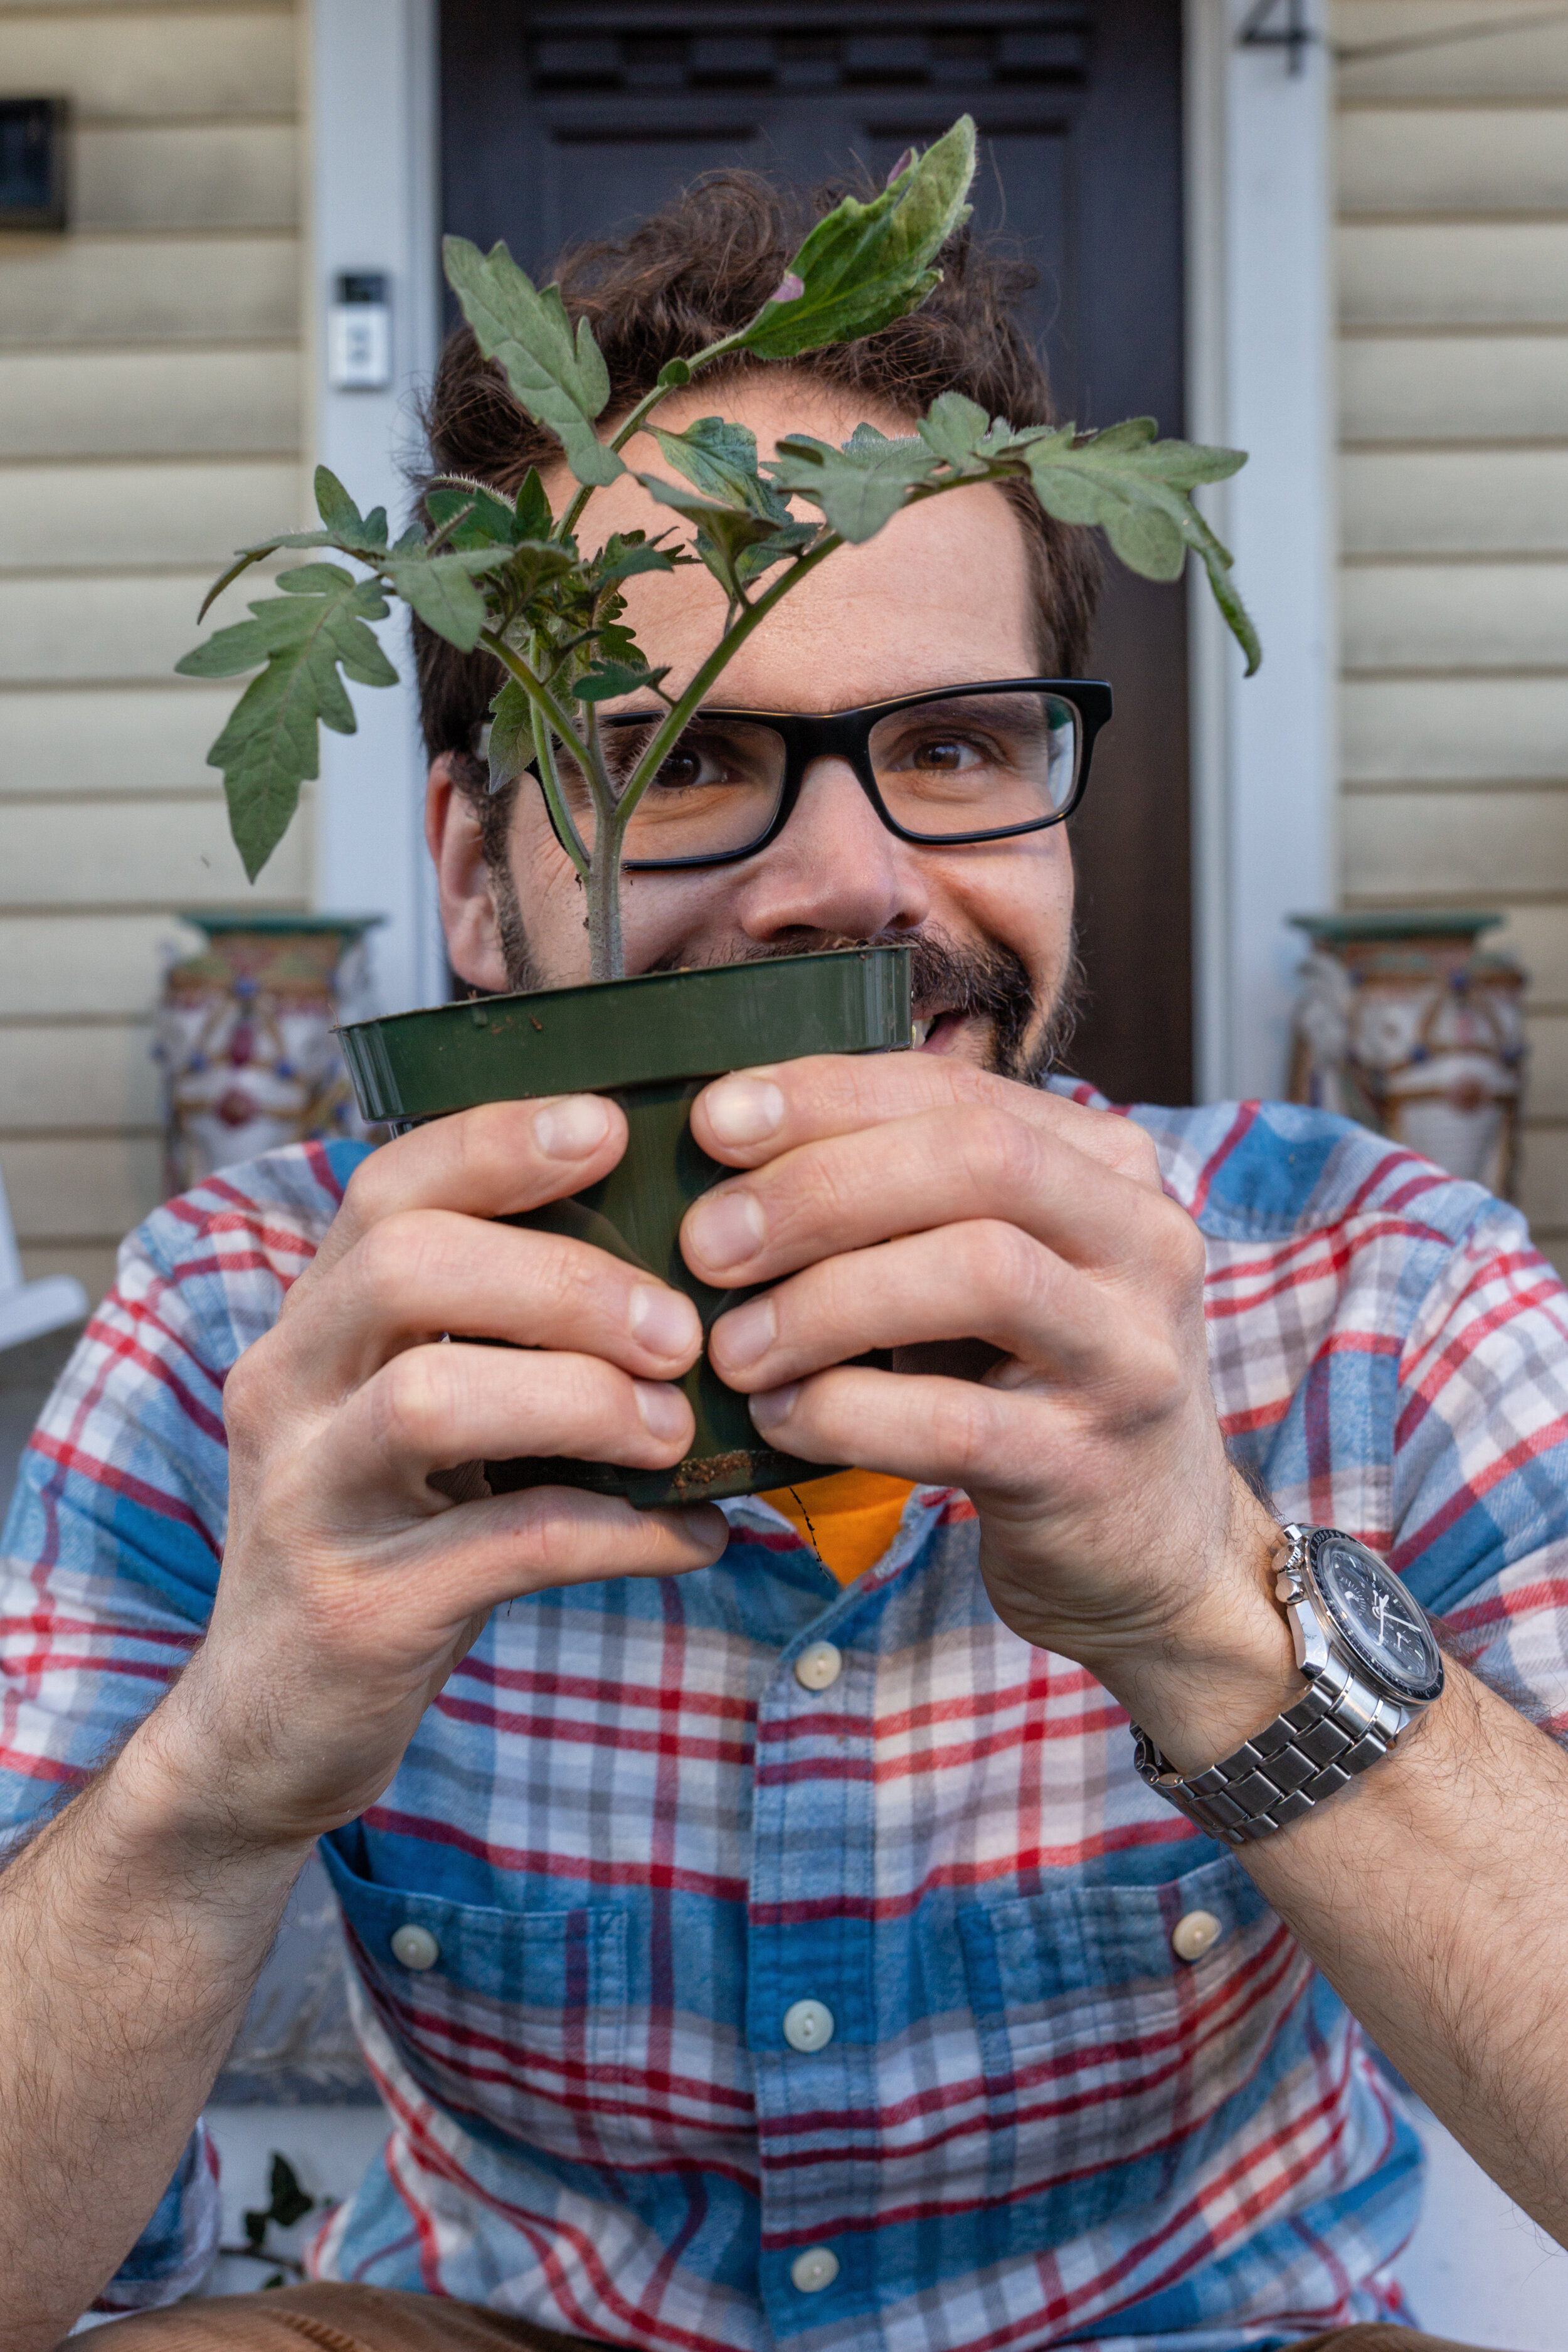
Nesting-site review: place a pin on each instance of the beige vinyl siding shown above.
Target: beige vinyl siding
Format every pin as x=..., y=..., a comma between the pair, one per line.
x=150, y=423
x=1453, y=284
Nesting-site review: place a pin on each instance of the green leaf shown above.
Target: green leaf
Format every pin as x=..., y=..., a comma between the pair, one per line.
x=858, y=488
x=953, y=429
x=441, y=586
x=1148, y=541
x=624, y=555
x=724, y=532
x=536, y=565
x=246, y=556
x=346, y=527
x=512, y=734
x=563, y=383
x=607, y=679
x=534, y=520
x=471, y=516
x=763, y=553
x=243, y=647
x=720, y=460
x=333, y=504
x=361, y=536
x=1217, y=564
x=866, y=264
x=1136, y=489
x=442, y=592
x=271, y=743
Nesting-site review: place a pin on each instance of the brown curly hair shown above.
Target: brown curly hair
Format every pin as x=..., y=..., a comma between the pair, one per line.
x=691, y=272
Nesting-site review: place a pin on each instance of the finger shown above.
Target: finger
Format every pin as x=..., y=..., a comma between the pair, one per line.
x=506, y=1545
x=935, y=1431
x=417, y=1273
x=981, y=1280
x=435, y=1406
x=753, y=1115
x=939, y=1167
x=494, y=1161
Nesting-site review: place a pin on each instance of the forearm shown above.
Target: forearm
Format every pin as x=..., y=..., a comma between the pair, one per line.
x=1433, y=1893
x=132, y=1931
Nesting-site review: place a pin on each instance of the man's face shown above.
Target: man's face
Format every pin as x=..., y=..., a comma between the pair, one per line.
x=940, y=598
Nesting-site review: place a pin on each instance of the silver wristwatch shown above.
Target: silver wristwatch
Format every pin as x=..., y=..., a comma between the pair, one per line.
x=1372, y=1665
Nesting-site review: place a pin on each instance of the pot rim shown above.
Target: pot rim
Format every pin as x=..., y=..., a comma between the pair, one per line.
x=695, y=1022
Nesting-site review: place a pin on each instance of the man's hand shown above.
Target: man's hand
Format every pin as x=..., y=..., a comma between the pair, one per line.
x=351, y=1585
x=132, y=1928
x=896, y=1200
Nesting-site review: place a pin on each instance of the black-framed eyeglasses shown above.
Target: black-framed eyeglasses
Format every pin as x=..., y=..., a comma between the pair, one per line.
x=955, y=765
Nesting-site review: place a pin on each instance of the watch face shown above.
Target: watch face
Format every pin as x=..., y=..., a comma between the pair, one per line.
x=1377, y=1617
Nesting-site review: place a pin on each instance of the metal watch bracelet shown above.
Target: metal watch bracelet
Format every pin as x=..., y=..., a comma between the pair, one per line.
x=1337, y=1727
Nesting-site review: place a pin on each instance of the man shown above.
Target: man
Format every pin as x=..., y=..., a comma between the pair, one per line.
x=762, y=1932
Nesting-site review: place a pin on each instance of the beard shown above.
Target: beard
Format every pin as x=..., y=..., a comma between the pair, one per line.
x=981, y=980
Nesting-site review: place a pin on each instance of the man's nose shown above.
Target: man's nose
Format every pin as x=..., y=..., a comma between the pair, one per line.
x=834, y=868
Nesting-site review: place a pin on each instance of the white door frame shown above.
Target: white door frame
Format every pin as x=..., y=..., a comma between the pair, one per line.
x=1260, y=377
x=375, y=161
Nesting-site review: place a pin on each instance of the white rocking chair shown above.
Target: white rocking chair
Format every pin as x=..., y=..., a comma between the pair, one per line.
x=28, y=1309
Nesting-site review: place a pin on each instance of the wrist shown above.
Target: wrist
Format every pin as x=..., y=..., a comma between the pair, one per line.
x=1226, y=1665
x=178, y=1791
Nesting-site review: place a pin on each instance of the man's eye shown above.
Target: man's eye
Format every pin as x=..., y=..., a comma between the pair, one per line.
x=943, y=755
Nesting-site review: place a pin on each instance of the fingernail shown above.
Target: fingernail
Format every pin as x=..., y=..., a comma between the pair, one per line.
x=664, y=1409
x=742, y=1337
x=571, y=1127
x=665, y=1323
x=744, y=1110
x=727, y=1228
x=771, y=1406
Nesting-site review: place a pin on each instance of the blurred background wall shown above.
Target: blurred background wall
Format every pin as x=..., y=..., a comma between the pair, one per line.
x=159, y=405
x=1453, y=351
x=152, y=407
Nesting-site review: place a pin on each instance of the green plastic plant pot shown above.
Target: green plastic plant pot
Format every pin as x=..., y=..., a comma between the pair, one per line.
x=652, y=1043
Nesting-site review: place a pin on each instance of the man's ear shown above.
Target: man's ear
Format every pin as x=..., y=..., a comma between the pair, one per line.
x=463, y=878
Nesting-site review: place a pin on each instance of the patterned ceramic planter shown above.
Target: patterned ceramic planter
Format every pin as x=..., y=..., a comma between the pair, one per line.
x=245, y=1034
x=1403, y=1024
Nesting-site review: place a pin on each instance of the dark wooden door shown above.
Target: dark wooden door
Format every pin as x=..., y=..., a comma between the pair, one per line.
x=572, y=119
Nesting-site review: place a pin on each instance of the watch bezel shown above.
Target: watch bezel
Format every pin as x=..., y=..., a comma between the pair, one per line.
x=1400, y=1685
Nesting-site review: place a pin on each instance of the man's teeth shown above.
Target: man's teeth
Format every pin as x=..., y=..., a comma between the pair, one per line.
x=921, y=1029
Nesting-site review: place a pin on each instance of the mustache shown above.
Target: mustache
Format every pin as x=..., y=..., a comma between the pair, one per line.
x=980, y=981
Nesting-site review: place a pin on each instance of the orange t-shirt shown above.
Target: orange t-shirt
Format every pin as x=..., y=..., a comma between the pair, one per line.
x=848, y=1519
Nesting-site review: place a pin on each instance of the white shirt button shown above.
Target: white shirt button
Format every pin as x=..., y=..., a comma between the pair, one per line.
x=814, y=2270
x=809, y=2025
x=819, y=1666
x=1193, y=1933
x=415, y=1947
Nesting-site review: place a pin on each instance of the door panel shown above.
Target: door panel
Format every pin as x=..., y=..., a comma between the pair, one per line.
x=563, y=122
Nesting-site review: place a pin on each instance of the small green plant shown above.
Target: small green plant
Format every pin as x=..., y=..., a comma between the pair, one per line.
x=288, y=2204
x=508, y=576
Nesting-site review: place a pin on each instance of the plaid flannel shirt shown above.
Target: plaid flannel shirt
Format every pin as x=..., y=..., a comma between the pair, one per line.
x=635, y=1839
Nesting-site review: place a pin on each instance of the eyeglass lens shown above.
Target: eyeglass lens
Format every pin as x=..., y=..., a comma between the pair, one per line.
x=968, y=764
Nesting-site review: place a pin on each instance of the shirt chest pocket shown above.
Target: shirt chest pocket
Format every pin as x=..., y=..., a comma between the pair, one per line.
x=516, y=2020
x=1109, y=2058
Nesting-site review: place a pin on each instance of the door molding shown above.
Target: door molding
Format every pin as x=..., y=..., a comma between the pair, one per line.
x=371, y=74
x=1259, y=354
x=1260, y=360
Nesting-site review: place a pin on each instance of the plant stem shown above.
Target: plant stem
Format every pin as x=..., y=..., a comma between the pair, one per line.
x=635, y=422
x=606, y=953
x=546, y=707
x=717, y=661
